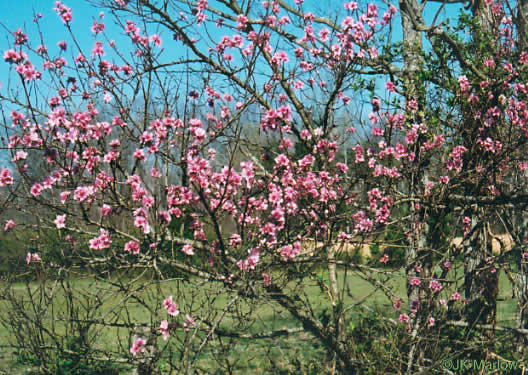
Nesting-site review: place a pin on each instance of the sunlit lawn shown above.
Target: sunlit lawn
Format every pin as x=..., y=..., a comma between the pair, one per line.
x=250, y=354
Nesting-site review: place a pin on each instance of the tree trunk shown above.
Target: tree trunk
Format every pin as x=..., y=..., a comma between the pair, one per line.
x=522, y=24
x=521, y=290
x=418, y=229
x=412, y=42
x=337, y=305
x=481, y=279
x=520, y=225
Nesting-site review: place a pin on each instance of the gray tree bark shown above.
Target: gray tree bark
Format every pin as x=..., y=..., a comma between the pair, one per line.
x=480, y=282
x=414, y=89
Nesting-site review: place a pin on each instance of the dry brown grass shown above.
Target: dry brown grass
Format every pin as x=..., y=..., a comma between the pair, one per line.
x=500, y=243
x=362, y=249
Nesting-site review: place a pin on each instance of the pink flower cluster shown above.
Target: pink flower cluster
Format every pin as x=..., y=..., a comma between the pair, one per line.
x=32, y=257
x=289, y=252
x=5, y=177
x=250, y=262
x=279, y=58
x=164, y=329
x=276, y=117
x=9, y=224
x=60, y=221
x=415, y=282
x=363, y=222
x=188, y=249
x=14, y=57
x=138, y=347
x=171, y=306
x=63, y=11
x=101, y=242
x=455, y=158
x=189, y=322
x=435, y=286
x=132, y=247
x=463, y=83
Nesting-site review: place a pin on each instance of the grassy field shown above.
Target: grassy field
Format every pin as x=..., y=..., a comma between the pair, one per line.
x=247, y=355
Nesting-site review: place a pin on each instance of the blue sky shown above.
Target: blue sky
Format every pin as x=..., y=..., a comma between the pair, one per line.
x=15, y=14
x=20, y=14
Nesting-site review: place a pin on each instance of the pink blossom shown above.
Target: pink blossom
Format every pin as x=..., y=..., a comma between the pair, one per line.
x=267, y=279
x=101, y=242
x=404, y=318
x=343, y=168
x=164, y=329
x=250, y=262
x=132, y=247
x=63, y=11
x=20, y=37
x=444, y=180
x=156, y=40
x=376, y=103
x=241, y=21
x=435, y=286
x=305, y=134
x=20, y=155
x=165, y=217
x=167, y=302
x=13, y=57
x=463, y=83
x=189, y=322
x=5, y=177
x=323, y=34
x=279, y=58
x=363, y=222
x=188, y=249
x=377, y=132
x=142, y=222
x=64, y=195
x=173, y=310
x=83, y=193
x=36, y=189
x=60, y=221
x=138, y=347
x=32, y=257
x=359, y=156
x=106, y=210
x=9, y=224
x=289, y=252
x=235, y=239
x=98, y=27
x=155, y=172
x=455, y=158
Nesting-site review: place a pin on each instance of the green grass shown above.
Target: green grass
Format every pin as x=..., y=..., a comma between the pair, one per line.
x=253, y=356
